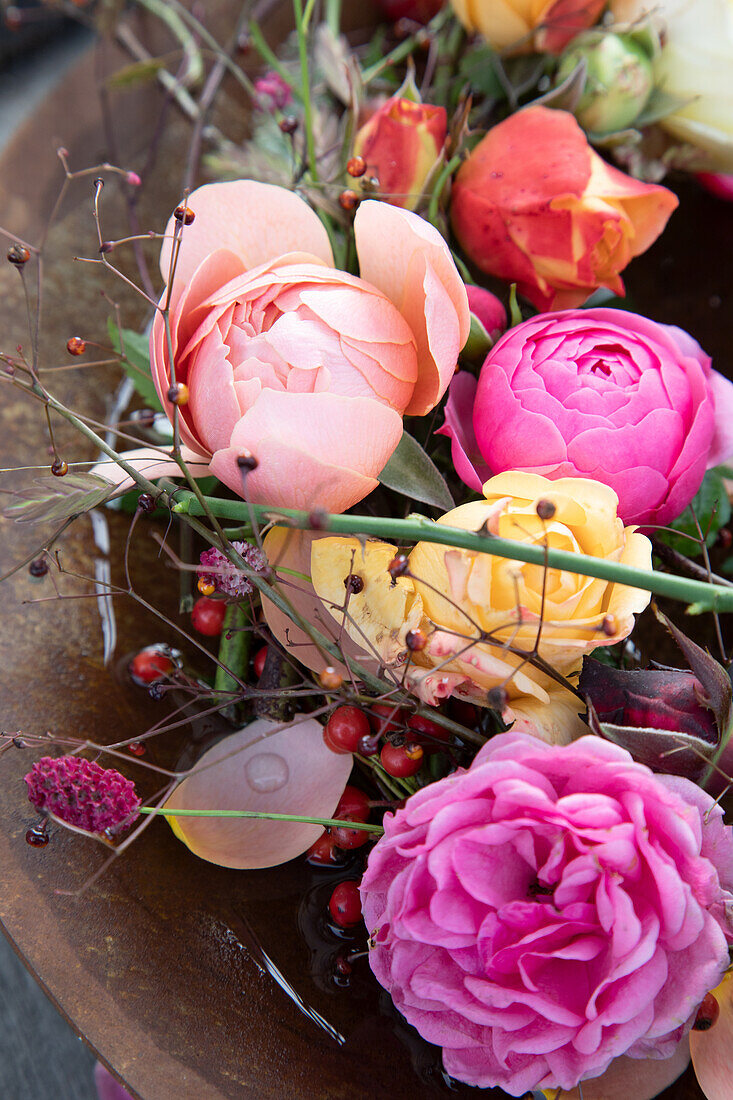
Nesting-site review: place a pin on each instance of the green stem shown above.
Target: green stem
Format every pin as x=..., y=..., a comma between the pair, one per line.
x=327, y=822
x=267, y=54
x=234, y=647
x=704, y=596
x=333, y=16
x=445, y=174
x=301, y=26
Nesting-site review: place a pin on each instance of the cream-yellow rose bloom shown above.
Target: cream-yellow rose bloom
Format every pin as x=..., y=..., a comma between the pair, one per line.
x=517, y=25
x=695, y=66
x=481, y=615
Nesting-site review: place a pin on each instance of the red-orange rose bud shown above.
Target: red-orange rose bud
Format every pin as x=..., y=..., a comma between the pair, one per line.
x=401, y=144
x=534, y=204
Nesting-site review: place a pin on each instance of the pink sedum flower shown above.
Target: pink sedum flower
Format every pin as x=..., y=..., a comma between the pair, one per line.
x=82, y=793
x=598, y=393
x=550, y=909
x=305, y=367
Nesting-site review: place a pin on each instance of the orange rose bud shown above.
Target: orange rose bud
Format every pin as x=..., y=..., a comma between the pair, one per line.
x=401, y=144
x=534, y=204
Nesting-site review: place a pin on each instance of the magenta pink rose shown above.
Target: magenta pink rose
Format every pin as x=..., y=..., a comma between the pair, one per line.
x=550, y=909
x=598, y=393
x=287, y=359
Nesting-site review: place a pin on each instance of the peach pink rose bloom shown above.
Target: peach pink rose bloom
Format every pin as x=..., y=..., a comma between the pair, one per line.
x=305, y=367
x=550, y=909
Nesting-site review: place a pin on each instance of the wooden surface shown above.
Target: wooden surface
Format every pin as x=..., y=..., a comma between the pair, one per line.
x=154, y=965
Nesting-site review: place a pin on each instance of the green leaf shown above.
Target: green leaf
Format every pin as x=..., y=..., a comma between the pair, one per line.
x=659, y=105
x=479, y=343
x=140, y=72
x=515, y=313
x=413, y=473
x=712, y=508
x=58, y=498
x=136, y=363
x=478, y=68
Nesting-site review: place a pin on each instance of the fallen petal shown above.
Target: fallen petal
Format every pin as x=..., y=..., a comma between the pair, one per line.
x=268, y=767
x=712, y=1051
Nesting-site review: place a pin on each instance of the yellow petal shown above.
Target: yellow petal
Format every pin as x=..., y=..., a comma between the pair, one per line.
x=379, y=615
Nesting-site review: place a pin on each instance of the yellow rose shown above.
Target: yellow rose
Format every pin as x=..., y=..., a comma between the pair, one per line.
x=482, y=616
x=546, y=25
x=695, y=66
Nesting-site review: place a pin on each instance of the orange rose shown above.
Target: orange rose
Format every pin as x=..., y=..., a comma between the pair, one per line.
x=534, y=204
x=401, y=143
x=544, y=25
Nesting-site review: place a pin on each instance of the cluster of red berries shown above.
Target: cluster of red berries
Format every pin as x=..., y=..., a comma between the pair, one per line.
x=406, y=738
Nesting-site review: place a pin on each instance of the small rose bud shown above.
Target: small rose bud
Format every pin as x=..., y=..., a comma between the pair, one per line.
x=401, y=143
x=18, y=255
x=75, y=345
x=273, y=93
x=184, y=214
x=618, y=79
x=178, y=393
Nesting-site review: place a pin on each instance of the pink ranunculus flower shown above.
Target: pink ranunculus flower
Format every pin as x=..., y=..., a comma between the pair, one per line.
x=599, y=393
x=305, y=367
x=550, y=909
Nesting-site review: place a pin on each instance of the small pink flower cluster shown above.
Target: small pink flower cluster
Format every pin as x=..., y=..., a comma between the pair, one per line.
x=82, y=793
x=224, y=576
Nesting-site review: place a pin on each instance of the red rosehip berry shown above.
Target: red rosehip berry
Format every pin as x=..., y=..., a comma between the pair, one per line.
x=75, y=345
x=345, y=904
x=429, y=730
x=150, y=665
x=402, y=760
x=353, y=804
x=258, y=661
x=346, y=838
x=345, y=728
x=323, y=852
x=387, y=717
x=207, y=616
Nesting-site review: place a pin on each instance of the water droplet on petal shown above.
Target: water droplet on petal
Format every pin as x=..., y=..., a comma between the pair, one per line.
x=267, y=771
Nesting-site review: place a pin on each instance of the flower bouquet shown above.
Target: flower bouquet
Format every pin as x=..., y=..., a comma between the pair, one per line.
x=434, y=497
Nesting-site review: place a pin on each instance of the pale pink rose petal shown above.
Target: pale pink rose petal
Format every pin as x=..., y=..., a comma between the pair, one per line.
x=313, y=449
x=712, y=1050
x=257, y=221
x=151, y=464
x=642, y=1079
x=467, y=458
x=266, y=767
x=406, y=258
